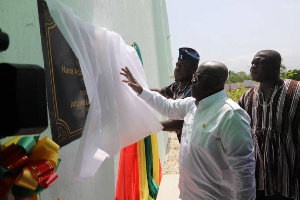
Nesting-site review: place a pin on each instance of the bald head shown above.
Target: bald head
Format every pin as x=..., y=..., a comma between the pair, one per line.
x=209, y=79
x=215, y=69
x=266, y=66
x=271, y=55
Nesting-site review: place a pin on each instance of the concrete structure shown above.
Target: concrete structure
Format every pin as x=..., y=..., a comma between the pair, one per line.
x=226, y=86
x=144, y=22
x=235, y=86
x=248, y=83
x=169, y=188
x=232, y=86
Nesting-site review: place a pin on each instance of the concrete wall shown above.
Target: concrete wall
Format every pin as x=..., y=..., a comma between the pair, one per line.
x=143, y=21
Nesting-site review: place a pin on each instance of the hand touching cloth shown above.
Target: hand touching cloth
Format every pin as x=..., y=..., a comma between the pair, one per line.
x=131, y=81
x=116, y=117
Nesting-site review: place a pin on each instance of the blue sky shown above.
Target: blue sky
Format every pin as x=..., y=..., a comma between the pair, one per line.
x=232, y=31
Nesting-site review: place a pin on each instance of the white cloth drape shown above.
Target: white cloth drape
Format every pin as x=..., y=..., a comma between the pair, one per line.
x=117, y=117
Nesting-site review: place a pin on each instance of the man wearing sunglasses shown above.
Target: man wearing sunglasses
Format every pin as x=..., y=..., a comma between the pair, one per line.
x=274, y=107
x=218, y=162
x=186, y=66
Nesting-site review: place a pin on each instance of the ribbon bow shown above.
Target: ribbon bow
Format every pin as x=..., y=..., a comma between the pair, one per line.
x=29, y=165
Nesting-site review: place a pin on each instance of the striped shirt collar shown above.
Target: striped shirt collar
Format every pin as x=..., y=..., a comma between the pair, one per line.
x=276, y=87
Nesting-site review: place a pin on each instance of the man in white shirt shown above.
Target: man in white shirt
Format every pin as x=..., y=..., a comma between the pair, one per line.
x=217, y=161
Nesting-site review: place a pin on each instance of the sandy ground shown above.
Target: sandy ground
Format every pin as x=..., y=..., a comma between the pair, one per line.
x=171, y=164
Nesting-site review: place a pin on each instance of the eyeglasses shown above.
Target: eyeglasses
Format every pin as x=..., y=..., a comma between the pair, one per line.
x=197, y=77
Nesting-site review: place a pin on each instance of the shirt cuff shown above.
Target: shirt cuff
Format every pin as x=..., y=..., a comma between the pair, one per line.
x=146, y=94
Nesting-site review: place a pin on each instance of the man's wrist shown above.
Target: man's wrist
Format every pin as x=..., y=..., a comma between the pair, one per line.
x=140, y=91
x=146, y=94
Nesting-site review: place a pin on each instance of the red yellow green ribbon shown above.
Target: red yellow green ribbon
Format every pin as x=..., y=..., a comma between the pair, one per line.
x=35, y=164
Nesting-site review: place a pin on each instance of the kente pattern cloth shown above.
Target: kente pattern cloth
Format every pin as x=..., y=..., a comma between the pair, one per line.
x=276, y=134
x=139, y=173
x=173, y=92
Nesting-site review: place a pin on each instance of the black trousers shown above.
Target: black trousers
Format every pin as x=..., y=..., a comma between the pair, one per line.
x=260, y=195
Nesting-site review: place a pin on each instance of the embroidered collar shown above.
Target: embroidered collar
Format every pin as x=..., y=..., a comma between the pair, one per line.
x=275, y=88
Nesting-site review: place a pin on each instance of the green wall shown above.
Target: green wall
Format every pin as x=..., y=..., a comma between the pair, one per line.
x=144, y=22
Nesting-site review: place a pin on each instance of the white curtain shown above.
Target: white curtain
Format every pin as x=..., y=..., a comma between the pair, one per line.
x=117, y=117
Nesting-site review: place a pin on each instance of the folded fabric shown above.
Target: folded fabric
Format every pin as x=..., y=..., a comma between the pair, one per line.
x=117, y=117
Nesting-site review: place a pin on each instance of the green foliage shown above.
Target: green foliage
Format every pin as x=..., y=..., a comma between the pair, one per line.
x=241, y=76
x=236, y=94
x=237, y=77
x=293, y=74
x=290, y=74
x=283, y=71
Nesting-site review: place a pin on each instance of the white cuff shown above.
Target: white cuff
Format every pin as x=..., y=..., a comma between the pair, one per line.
x=146, y=94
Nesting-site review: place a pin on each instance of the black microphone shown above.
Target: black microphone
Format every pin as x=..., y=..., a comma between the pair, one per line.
x=4, y=41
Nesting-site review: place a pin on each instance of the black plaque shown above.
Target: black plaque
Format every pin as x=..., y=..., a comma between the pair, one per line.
x=68, y=102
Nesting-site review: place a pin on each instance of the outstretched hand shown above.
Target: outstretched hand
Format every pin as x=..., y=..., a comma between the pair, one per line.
x=131, y=81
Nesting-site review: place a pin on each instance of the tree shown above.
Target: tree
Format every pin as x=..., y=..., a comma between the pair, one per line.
x=237, y=77
x=293, y=74
x=236, y=94
x=290, y=74
x=283, y=71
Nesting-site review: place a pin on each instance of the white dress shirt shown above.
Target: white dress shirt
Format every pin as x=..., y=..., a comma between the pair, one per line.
x=216, y=153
